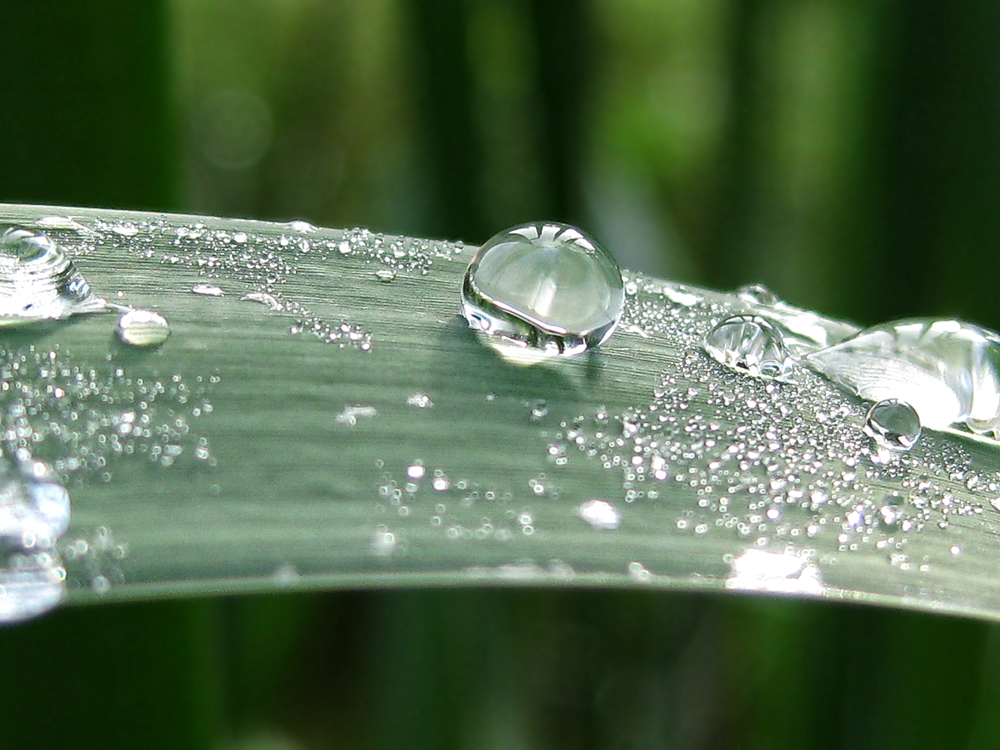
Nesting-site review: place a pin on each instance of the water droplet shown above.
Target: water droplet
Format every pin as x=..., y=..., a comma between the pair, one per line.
x=750, y=344
x=143, y=328
x=351, y=414
x=893, y=424
x=758, y=294
x=947, y=370
x=265, y=299
x=416, y=470
x=419, y=401
x=778, y=572
x=207, y=290
x=385, y=275
x=30, y=585
x=547, y=286
x=600, y=514
x=38, y=281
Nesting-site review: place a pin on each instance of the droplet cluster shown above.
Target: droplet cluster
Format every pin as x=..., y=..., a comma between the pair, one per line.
x=263, y=264
x=79, y=419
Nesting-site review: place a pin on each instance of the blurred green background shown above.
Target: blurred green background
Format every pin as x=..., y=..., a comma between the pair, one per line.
x=844, y=152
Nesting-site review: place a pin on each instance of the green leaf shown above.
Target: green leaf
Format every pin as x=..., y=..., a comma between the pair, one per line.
x=342, y=427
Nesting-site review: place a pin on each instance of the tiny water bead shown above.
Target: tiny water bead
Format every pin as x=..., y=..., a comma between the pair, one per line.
x=947, y=370
x=544, y=285
x=893, y=424
x=750, y=344
x=143, y=329
x=38, y=280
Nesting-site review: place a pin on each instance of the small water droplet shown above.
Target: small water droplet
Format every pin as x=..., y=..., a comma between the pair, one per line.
x=351, y=414
x=143, y=328
x=419, y=401
x=758, y=294
x=947, y=370
x=207, y=290
x=547, y=286
x=600, y=514
x=38, y=281
x=750, y=344
x=893, y=424
x=264, y=298
x=416, y=470
x=385, y=275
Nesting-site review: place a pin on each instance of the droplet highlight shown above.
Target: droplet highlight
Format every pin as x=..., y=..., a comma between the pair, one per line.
x=545, y=286
x=752, y=345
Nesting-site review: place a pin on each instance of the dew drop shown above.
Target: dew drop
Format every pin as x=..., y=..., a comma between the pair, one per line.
x=599, y=514
x=143, y=328
x=750, y=344
x=207, y=290
x=419, y=401
x=547, y=286
x=38, y=281
x=758, y=294
x=352, y=414
x=269, y=300
x=893, y=424
x=947, y=370
x=385, y=275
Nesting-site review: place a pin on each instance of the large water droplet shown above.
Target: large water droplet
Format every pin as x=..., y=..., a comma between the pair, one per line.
x=143, y=328
x=38, y=281
x=750, y=344
x=33, y=503
x=34, y=512
x=947, y=370
x=547, y=286
x=893, y=424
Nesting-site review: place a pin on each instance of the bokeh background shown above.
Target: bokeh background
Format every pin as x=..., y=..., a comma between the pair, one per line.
x=846, y=153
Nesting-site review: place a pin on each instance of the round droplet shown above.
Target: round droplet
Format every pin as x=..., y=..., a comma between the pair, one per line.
x=750, y=344
x=143, y=328
x=947, y=370
x=547, y=286
x=38, y=281
x=893, y=424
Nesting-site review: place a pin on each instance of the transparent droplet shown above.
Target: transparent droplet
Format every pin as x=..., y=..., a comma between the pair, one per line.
x=385, y=275
x=351, y=414
x=599, y=514
x=33, y=502
x=758, y=294
x=893, y=424
x=143, y=328
x=947, y=370
x=38, y=281
x=31, y=584
x=207, y=290
x=547, y=286
x=263, y=298
x=419, y=401
x=750, y=344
